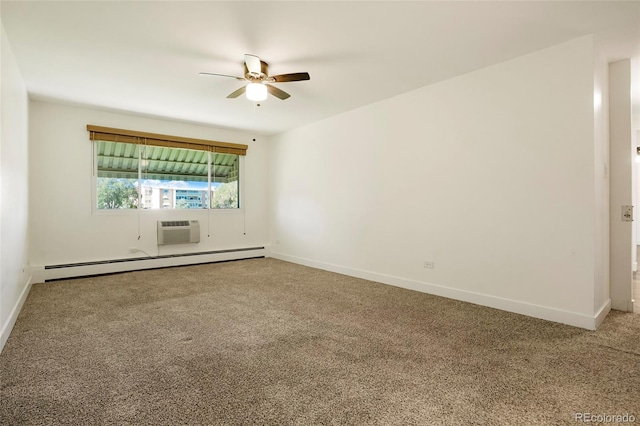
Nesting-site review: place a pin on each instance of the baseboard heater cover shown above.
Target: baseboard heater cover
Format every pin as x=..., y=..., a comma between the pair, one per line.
x=105, y=267
x=139, y=259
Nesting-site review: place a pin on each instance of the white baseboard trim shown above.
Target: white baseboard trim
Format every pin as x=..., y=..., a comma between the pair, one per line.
x=13, y=316
x=602, y=313
x=136, y=264
x=543, y=312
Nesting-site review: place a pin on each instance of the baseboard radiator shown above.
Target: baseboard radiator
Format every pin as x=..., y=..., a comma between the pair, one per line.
x=71, y=270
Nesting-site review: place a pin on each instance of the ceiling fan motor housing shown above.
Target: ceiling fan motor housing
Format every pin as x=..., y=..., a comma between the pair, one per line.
x=264, y=72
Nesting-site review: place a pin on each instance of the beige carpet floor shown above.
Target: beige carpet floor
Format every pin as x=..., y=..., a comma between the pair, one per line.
x=269, y=342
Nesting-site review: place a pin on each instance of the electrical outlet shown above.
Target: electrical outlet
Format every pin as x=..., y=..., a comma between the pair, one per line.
x=428, y=264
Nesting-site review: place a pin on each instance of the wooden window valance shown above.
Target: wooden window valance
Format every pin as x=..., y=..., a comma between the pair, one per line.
x=98, y=133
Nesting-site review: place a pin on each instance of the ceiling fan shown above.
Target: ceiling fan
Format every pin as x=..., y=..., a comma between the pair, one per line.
x=256, y=72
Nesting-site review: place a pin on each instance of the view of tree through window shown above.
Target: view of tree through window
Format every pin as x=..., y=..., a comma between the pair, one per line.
x=116, y=193
x=131, y=176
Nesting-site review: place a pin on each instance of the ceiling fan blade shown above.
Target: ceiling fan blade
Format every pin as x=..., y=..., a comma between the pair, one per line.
x=221, y=75
x=297, y=76
x=280, y=94
x=237, y=93
x=253, y=64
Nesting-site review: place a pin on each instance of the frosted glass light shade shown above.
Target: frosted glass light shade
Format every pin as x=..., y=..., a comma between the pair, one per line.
x=256, y=92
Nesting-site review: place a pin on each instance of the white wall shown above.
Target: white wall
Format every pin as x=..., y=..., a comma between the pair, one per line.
x=635, y=119
x=66, y=230
x=622, y=147
x=602, y=301
x=14, y=191
x=490, y=175
x=635, y=141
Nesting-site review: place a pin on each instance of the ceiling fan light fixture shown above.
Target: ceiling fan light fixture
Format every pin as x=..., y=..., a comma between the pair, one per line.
x=256, y=92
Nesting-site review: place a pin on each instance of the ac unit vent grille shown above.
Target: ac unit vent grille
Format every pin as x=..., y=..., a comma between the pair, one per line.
x=172, y=223
x=178, y=232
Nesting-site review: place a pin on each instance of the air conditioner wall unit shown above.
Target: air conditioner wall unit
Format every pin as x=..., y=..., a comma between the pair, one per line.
x=178, y=232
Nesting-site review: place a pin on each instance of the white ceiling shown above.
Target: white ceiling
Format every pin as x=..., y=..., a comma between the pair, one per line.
x=144, y=56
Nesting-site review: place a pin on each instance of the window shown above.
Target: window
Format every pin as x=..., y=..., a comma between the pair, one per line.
x=141, y=175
